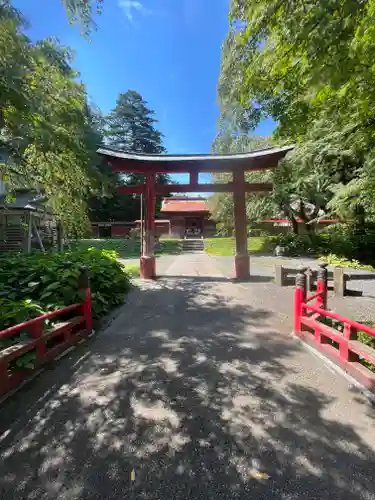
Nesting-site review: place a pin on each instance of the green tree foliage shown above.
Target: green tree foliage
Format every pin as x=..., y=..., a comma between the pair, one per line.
x=298, y=60
x=309, y=65
x=45, y=282
x=44, y=122
x=50, y=132
x=326, y=171
x=258, y=205
x=82, y=12
x=131, y=126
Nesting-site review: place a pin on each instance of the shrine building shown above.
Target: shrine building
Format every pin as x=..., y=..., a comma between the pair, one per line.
x=187, y=216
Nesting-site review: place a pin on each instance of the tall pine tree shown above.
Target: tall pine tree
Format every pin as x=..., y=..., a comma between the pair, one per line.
x=131, y=126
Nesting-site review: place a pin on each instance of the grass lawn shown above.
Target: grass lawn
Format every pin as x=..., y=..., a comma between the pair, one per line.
x=121, y=246
x=227, y=246
x=133, y=270
x=125, y=248
x=169, y=246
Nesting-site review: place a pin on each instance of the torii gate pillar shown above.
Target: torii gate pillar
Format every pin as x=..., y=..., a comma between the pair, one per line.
x=152, y=165
x=147, y=264
x=241, y=260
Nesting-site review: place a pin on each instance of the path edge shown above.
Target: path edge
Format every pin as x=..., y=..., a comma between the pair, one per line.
x=333, y=367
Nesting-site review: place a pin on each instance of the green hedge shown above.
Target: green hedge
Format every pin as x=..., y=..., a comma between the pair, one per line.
x=32, y=284
x=342, y=240
x=302, y=244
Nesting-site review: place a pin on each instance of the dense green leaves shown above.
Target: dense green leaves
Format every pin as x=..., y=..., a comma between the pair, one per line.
x=258, y=206
x=82, y=12
x=297, y=60
x=50, y=133
x=308, y=65
x=131, y=126
x=31, y=284
x=44, y=122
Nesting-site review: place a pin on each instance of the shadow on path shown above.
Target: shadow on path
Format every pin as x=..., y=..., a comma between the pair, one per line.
x=190, y=388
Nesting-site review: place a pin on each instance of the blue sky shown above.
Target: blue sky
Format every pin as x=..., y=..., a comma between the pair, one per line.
x=168, y=50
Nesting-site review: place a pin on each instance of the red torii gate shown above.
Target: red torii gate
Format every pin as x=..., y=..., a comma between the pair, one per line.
x=237, y=164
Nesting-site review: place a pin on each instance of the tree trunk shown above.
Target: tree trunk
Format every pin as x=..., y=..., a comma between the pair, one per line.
x=310, y=230
x=289, y=214
x=360, y=218
x=294, y=225
x=302, y=215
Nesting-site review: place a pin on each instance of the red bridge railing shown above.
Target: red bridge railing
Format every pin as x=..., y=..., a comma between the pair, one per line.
x=343, y=347
x=44, y=343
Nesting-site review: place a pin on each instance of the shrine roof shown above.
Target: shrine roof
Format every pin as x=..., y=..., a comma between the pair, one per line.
x=184, y=205
x=157, y=221
x=284, y=221
x=253, y=160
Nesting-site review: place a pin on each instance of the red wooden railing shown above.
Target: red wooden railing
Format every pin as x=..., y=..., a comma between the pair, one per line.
x=343, y=348
x=46, y=343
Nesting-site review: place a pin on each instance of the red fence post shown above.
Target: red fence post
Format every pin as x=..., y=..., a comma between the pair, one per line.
x=86, y=306
x=4, y=377
x=322, y=285
x=299, y=298
x=36, y=332
x=349, y=333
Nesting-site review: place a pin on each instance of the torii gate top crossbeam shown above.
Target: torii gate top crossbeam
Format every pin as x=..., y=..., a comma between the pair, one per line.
x=140, y=163
x=235, y=164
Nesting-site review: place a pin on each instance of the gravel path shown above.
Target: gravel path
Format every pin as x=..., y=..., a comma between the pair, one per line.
x=281, y=299
x=191, y=393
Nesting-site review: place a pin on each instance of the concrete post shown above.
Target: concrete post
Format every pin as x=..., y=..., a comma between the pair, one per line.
x=339, y=280
x=322, y=285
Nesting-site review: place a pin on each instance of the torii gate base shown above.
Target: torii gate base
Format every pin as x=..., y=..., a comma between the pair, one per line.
x=242, y=266
x=151, y=165
x=148, y=267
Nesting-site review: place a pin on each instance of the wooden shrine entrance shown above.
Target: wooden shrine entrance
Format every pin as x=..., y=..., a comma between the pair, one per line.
x=236, y=164
x=193, y=223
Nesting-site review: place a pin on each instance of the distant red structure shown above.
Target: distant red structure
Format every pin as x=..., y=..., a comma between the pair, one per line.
x=285, y=226
x=188, y=215
x=111, y=229
x=162, y=227
x=235, y=164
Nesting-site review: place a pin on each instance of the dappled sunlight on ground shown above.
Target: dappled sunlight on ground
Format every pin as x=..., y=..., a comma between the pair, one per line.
x=200, y=397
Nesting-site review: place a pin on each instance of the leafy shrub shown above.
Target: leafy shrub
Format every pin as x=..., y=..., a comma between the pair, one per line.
x=336, y=261
x=125, y=247
x=297, y=244
x=367, y=339
x=31, y=284
x=258, y=232
x=13, y=312
x=223, y=230
x=341, y=240
x=351, y=242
